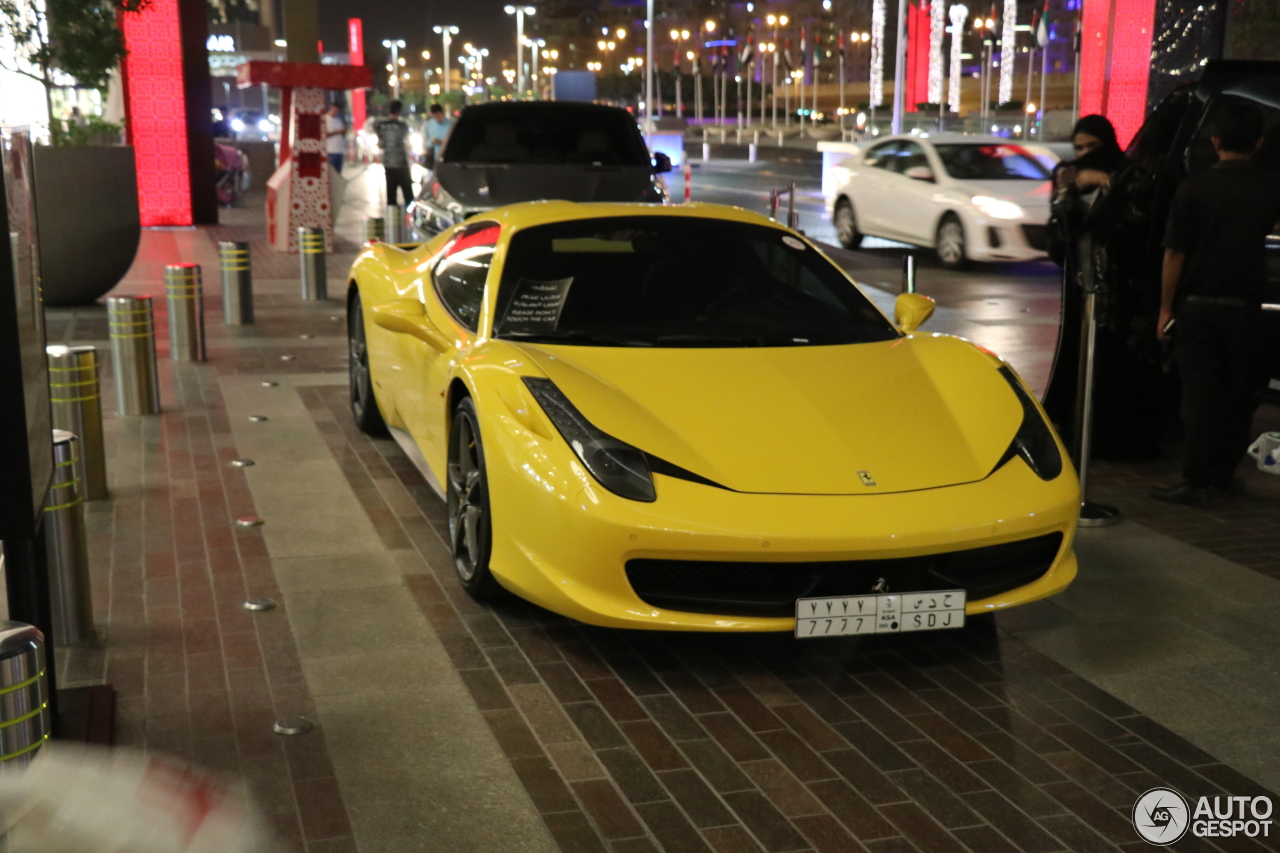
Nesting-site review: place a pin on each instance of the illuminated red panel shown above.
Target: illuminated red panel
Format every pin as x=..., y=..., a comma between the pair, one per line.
x=1130, y=66
x=1115, y=61
x=157, y=115
x=355, y=50
x=918, y=30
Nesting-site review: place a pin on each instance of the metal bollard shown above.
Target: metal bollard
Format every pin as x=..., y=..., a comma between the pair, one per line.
x=374, y=229
x=793, y=215
x=755, y=144
x=68, y=550
x=25, y=722
x=315, y=285
x=395, y=224
x=909, y=273
x=76, y=403
x=237, y=284
x=184, y=293
x=133, y=354
x=773, y=205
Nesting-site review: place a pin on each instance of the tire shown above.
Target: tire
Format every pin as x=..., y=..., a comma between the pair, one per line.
x=846, y=223
x=364, y=406
x=470, y=527
x=949, y=243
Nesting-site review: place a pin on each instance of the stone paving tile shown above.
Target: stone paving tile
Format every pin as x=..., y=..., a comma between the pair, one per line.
x=961, y=741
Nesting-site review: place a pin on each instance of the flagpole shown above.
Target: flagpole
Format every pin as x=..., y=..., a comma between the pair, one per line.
x=842, y=113
x=804, y=47
x=648, y=71
x=899, y=67
x=1044, y=76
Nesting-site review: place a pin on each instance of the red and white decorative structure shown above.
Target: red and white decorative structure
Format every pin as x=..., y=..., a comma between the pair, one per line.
x=300, y=193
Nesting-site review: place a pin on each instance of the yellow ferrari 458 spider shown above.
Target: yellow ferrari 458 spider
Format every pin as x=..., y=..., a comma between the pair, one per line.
x=689, y=418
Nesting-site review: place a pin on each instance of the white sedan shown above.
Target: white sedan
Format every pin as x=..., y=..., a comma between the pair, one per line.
x=970, y=198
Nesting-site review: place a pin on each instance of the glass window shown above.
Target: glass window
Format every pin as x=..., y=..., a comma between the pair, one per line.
x=460, y=275
x=909, y=156
x=991, y=162
x=677, y=281
x=881, y=156
x=532, y=132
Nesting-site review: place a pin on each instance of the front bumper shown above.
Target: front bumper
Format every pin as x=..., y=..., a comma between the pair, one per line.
x=1005, y=240
x=563, y=542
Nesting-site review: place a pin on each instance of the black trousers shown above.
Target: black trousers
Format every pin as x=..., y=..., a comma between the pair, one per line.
x=1218, y=352
x=398, y=178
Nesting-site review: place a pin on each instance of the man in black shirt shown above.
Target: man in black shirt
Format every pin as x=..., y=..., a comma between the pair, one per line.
x=393, y=138
x=1211, y=303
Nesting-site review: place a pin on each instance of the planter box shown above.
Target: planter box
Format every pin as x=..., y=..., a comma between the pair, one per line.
x=87, y=213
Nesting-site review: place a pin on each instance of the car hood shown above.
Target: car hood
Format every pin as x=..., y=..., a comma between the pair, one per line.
x=1033, y=196
x=915, y=413
x=478, y=186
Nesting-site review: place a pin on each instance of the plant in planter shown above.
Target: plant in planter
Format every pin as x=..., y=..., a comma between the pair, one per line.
x=86, y=184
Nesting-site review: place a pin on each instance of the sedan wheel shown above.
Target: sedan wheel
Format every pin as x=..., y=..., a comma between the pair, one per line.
x=846, y=223
x=949, y=243
x=364, y=407
x=470, y=534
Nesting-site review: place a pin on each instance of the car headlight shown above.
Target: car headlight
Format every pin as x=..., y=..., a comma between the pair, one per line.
x=264, y=125
x=616, y=465
x=237, y=125
x=997, y=208
x=1034, y=441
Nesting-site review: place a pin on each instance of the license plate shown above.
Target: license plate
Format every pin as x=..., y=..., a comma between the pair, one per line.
x=886, y=613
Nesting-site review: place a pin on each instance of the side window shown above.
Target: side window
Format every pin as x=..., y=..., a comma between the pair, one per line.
x=460, y=275
x=1200, y=153
x=882, y=156
x=912, y=154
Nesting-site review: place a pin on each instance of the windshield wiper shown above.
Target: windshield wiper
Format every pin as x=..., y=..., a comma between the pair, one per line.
x=572, y=337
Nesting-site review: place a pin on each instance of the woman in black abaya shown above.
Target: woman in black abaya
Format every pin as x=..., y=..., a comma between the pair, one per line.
x=1099, y=231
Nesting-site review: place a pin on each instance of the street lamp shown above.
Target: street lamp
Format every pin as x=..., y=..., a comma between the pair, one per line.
x=396, y=62
x=520, y=12
x=446, y=35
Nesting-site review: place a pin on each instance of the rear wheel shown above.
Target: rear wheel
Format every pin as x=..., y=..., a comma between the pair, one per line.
x=846, y=222
x=949, y=243
x=470, y=532
x=364, y=408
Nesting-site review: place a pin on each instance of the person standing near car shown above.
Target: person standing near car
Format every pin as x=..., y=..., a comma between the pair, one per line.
x=393, y=139
x=1099, y=231
x=437, y=129
x=335, y=137
x=1211, y=303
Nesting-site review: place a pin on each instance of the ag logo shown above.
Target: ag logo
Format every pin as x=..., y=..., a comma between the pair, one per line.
x=1161, y=816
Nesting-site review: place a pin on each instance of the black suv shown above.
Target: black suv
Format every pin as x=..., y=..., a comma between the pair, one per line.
x=1176, y=138
x=507, y=152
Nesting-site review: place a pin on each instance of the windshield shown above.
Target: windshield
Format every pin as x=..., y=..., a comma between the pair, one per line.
x=547, y=133
x=991, y=162
x=677, y=281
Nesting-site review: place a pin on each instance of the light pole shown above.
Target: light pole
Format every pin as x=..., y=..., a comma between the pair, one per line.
x=899, y=68
x=775, y=21
x=536, y=46
x=395, y=45
x=446, y=35
x=520, y=12
x=679, y=37
x=648, y=70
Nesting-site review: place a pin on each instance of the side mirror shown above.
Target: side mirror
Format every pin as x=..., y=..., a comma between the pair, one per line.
x=409, y=317
x=920, y=173
x=911, y=310
x=661, y=163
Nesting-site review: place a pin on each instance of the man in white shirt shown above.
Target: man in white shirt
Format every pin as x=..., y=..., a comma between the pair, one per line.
x=436, y=130
x=335, y=137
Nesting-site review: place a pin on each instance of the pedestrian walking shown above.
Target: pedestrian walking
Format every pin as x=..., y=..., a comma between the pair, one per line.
x=335, y=137
x=1211, y=303
x=393, y=138
x=437, y=128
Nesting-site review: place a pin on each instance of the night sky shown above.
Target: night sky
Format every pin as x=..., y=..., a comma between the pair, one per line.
x=482, y=22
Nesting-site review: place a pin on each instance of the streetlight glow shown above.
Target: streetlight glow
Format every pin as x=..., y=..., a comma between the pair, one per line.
x=711, y=26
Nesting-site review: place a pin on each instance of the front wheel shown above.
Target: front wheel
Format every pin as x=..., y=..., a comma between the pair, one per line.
x=364, y=407
x=470, y=529
x=949, y=243
x=846, y=222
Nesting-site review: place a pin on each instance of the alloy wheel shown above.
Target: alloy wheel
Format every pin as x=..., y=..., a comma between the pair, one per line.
x=466, y=499
x=951, y=242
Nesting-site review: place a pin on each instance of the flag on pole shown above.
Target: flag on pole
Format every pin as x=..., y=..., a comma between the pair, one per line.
x=1041, y=27
x=786, y=55
x=744, y=58
x=840, y=44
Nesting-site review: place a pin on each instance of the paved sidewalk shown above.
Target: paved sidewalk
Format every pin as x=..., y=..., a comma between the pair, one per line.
x=446, y=725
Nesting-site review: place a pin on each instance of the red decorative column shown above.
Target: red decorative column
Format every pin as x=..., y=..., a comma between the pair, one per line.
x=918, y=35
x=355, y=56
x=1115, y=61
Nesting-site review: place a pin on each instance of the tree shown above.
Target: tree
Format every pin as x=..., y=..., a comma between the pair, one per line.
x=79, y=38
